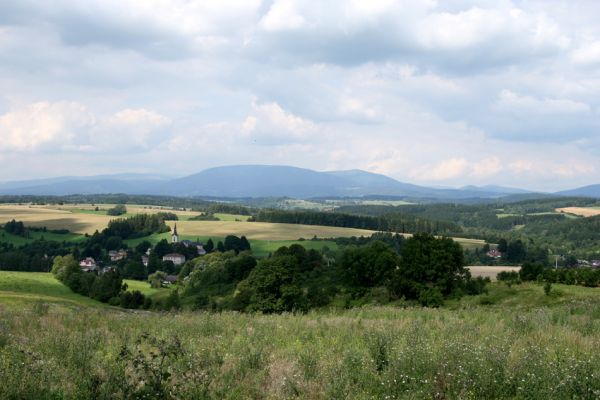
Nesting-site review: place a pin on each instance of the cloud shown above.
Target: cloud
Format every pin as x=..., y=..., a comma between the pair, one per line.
x=446, y=92
x=269, y=124
x=71, y=126
x=588, y=54
x=42, y=124
x=518, y=104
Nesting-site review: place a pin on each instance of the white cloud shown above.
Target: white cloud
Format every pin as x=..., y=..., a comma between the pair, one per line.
x=71, y=126
x=515, y=103
x=269, y=124
x=42, y=124
x=588, y=54
x=282, y=16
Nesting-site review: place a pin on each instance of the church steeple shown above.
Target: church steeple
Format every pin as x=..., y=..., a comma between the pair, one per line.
x=175, y=236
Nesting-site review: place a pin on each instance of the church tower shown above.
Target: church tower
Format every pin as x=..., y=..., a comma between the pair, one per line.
x=174, y=236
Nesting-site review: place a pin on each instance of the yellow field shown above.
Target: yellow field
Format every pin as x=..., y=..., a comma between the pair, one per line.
x=40, y=216
x=581, y=211
x=68, y=217
x=264, y=230
x=489, y=271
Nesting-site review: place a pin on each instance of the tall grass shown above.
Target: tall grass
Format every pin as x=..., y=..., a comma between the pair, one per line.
x=372, y=352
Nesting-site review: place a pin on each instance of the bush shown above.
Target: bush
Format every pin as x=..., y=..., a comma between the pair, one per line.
x=119, y=209
x=431, y=297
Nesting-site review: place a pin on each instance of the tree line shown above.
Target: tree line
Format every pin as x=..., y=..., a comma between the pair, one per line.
x=386, y=222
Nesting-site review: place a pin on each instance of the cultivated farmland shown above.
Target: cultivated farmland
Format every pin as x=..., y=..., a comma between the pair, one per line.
x=581, y=211
x=72, y=218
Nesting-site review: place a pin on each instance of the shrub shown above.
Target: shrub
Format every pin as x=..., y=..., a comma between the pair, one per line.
x=431, y=297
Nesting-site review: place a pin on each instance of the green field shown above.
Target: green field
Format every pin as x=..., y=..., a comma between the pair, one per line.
x=521, y=344
x=57, y=237
x=260, y=248
x=231, y=217
x=18, y=288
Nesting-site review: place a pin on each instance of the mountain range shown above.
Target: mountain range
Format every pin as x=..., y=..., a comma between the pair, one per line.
x=264, y=181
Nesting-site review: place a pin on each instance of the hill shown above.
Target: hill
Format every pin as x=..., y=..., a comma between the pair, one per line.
x=21, y=288
x=586, y=191
x=251, y=181
x=513, y=343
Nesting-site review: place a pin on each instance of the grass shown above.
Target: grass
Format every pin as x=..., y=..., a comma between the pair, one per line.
x=262, y=248
x=521, y=345
x=49, y=236
x=231, y=217
x=19, y=288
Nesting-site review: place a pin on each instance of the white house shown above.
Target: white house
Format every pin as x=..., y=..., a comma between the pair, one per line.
x=175, y=258
x=88, y=265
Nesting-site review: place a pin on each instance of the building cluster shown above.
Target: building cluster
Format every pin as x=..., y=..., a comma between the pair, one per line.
x=90, y=265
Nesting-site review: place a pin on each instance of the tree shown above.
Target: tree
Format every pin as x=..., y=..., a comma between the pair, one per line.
x=515, y=252
x=134, y=269
x=65, y=266
x=114, y=243
x=220, y=247
x=106, y=286
x=531, y=271
x=156, y=279
x=143, y=246
x=162, y=248
x=209, y=246
x=119, y=209
x=502, y=245
x=368, y=266
x=273, y=288
x=429, y=262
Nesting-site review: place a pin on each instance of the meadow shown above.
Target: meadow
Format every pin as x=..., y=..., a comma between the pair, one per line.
x=515, y=343
x=21, y=288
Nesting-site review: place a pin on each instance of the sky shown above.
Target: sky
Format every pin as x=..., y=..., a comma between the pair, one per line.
x=440, y=93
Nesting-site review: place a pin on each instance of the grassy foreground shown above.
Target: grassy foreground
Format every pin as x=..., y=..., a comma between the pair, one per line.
x=525, y=345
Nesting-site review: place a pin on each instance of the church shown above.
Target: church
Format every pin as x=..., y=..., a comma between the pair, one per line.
x=174, y=235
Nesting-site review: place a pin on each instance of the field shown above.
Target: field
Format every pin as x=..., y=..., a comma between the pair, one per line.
x=488, y=271
x=82, y=219
x=19, y=288
x=521, y=345
x=580, y=211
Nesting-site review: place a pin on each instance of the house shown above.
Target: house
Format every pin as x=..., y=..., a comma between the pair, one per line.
x=174, y=235
x=175, y=258
x=117, y=255
x=199, y=247
x=110, y=268
x=88, y=265
x=145, y=260
x=494, y=254
x=169, y=280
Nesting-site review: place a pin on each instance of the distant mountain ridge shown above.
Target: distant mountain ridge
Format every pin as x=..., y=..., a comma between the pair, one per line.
x=256, y=181
x=586, y=191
